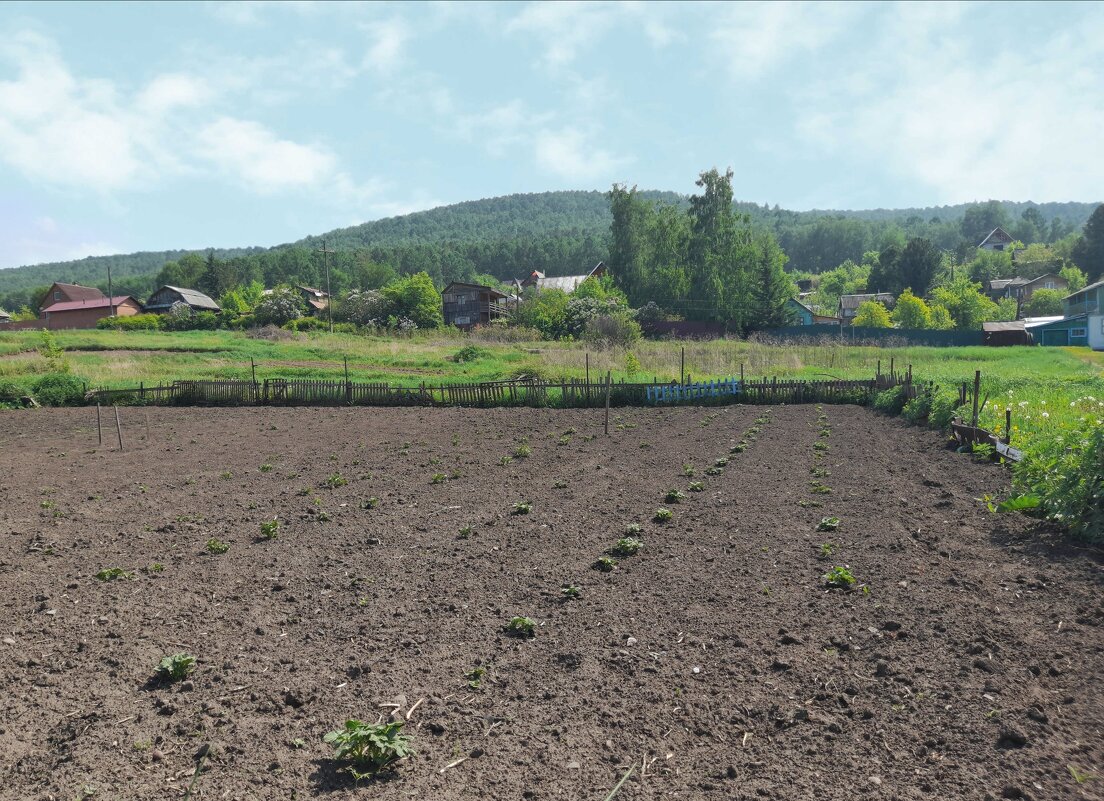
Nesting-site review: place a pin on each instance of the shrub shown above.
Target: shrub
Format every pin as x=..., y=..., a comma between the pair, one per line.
x=304, y=324
x=11, y=393
x=136, y=322
x=1067, y=473
x=58, y=389
x=917, y=410
x=282, y=306
x=469, y=353
x=944, y=405
x=612, y=329
x=891, y=401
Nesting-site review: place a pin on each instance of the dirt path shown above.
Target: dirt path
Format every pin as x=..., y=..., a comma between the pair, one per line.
x=969, y=668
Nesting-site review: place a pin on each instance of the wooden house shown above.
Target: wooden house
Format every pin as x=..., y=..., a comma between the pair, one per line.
x=86, y=313
x=1023, y=288
x=316, y=300
x=1006, y=333
x=567, y=283
x=849, y=304
x=467, y=305
x=167, y=296
x=67, y=293
x=998, y=239
x=807, y=315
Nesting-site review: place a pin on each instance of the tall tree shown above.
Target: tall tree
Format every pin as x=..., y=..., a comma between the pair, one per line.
x=979, y=219
x=712, y=246
x=1088, y=253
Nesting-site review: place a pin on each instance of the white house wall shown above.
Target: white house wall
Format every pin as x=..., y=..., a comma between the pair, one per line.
x=1096, y=332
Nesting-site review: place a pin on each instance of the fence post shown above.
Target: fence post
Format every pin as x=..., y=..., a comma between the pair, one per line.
x=682, y=366
x=348, y=386
x=609, y=383
x=1007, y=426
x=119, y=429
x=99, y=429
x=977, y=391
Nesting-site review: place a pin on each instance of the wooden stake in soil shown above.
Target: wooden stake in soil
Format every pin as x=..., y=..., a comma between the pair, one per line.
x=1007, y=426
x=609, y=382
x=253, y=368
x=119, y=428
x=682, y=366
x=977, y=391
x=99, y=429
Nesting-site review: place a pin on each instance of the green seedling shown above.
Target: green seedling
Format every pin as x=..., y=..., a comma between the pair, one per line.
x=175, y=668
x=466, y=532
x=564, y=440
x=523, y=451
x=721, y=462
x=570, y=591
x=226, y=475
x=522, y=508
x=839, y=577
x=688, y=470
x=369, y=748
x=324, y=517
x=215, y=545
x=475, y=677
x=370, y=503
x=336, y=480
x=605, y=564
x=304, y=492
x=1079, y=776
x=438, y=478
x=559, y=485
x=270, y=528
x=663, y=515
x=714, y=471
x=156, y=567
x=505, y=460
x=674, y=496
x=819, y=488
x=739, y=447
x=828, y=524
x=522, y=627
x=827, y=549
x=627, y=546
x=696, y=486
x=820, y=447
x=632, y=529
x=266, y=468
x=113, y=574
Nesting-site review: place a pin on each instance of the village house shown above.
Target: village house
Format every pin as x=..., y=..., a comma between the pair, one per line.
x=1021, y=289
x=467, y=305
x=567, y=283
x=1081, y=323
x=998, y=239
x=316, y=300
x=849, y=304
x=802, y=314
x=166, y=297
x=84, y=313
x=59, y=293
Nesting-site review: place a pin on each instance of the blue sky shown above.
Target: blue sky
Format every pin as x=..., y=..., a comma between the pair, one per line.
x=149, y=126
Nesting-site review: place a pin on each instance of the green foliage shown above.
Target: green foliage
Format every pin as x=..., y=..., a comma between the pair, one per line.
x=663, y=515
x=546, y=311
x=282, y=306
x=175, y=668
x=1044, y=303
x=828, y=524
x=964, y=301
x=891, y=401
x=438, y=478
x=370, y=503
x=605, y=564
x=1088, y=254
x=632, y=529
x=523, y=451
x=571, y=592
x=522, y=627
x=627, y=546
x=917, y=409
x=416, y=299
x=270, y=528
x=944, y=406
x=522, y=508
x=135, y=322
x=369, y=747
x=872, y=314
x=911, y=312
x=58, y=389
x=11, y=393
x=336, y=480
x=469, y=353
x=1067, y=473
x=1075, y=277
x=696, y=486
x=674, y=496
x=113, y=574
x=217, y=546
x=840, y=578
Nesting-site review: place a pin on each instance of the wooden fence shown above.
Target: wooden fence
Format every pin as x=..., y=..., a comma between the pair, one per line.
x=525, y=392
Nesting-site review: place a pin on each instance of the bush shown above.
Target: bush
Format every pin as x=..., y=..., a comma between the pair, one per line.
x=11, y=393
x=469, y=353
x=282, y=306
x=500, y=332
x=58, y=389
x=891, y=401
x=944, y=405
x=1067, y=473
x=916, y=411
x=612, y=329
x=307, y=324
x=136, y=322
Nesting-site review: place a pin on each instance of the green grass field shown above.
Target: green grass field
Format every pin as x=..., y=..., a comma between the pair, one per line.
x=1048, y=389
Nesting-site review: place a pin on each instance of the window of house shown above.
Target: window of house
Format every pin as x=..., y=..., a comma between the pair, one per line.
x=57, y=294
x=1079, y=332
x=1048, y=285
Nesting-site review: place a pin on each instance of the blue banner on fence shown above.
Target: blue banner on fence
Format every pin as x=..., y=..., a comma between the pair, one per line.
x=675, y=393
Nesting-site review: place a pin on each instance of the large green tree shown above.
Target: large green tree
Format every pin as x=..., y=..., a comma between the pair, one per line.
x=416, y=299
x=1089, y=252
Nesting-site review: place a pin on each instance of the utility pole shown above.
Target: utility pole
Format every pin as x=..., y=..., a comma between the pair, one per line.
x=110, y=292
x=329, y=298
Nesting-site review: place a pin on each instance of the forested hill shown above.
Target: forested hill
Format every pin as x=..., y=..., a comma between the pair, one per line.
x=555, y=232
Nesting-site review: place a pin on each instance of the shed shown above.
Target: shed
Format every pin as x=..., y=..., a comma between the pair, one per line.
x=167, y=296
x=467, y=305
x=316, y=299
x=1059, y=330
x=1006, y=333
x=807, y=315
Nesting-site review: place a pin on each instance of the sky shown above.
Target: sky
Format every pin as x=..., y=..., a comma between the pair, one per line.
x=154, y=126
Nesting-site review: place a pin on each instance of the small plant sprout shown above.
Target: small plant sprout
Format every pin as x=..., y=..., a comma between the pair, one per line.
x=605, y=564
x=466, y=532
x=570, y=592
x=827, y=549
x=564, y=440
x=674, y=496
x=522, y=508
x=523, y=451
x=226, y=475
x=270, y=528
x=714, y=471
x=522, y=627
x=819, y=488
x=633, y=529
x=663, y=515
x=721, y=462
x=113, y=574
x=175, y=668
x=215, y=545
x=438, y=478
x=688, y=470
x=266, y=468
x=336, y=480
x=475, y=677
x=840, y=578
x=369, y=748
x=739, y=447
x=627, y=546
x=828, y=524
x=820, y=447
x=696, y=486
x=559, y=485
x=370, y=503
x=820, y=472
x=505, y=460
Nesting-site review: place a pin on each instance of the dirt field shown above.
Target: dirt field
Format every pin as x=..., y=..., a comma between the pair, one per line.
x=967, y=663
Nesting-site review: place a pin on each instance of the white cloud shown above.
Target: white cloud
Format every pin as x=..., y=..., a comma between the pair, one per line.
x=260, y=159
x=569, y=154
x=171, y=91
x=387, y=39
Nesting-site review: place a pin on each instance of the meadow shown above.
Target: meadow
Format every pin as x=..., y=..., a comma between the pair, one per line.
x=1051, y=391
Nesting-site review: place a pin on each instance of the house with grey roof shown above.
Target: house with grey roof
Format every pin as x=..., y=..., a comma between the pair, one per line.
x=567, y=283
x=849, y=304
x=167, y=296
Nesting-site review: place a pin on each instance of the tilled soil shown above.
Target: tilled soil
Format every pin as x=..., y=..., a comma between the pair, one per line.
x=714, y=664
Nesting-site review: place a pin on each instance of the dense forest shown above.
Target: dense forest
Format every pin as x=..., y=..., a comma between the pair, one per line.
x=555, y=232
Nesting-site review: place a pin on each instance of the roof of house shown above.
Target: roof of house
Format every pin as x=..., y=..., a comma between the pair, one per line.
x=72, y=291
x=94, y=303
x=1002, y=283
x=481, y=287
x=193, y=297
x=998, y=234
x=318, y=293
x=854, y=301
x=1011, y=325
x=568, y=283
x=4, y=315
x=1032, y=322
x=1088, y=288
